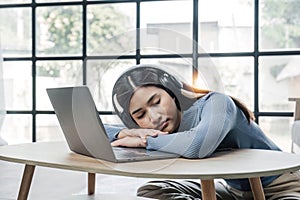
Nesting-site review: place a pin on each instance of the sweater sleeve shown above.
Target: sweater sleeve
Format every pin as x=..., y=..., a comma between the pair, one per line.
x=112, y=131
x=217, y=118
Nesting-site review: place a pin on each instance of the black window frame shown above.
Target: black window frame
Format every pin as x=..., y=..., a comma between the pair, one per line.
x=256, y=54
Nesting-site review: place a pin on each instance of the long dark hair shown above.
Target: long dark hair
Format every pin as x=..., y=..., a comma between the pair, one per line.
x=143, y=75
x=248, y=113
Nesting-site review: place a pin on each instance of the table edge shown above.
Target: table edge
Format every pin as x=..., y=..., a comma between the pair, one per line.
x=152, y=175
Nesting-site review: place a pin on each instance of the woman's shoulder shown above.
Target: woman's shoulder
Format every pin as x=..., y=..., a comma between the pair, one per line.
x=213, y=96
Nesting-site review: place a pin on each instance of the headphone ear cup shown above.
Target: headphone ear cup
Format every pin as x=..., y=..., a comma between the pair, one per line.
x=170, y=82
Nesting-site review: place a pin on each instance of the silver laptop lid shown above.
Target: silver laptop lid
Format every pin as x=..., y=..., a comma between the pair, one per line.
x=80, y=121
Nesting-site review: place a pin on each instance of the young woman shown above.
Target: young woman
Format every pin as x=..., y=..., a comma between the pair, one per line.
x=161, y=112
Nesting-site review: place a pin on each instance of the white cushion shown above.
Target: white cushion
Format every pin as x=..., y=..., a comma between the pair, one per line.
x=296, y=132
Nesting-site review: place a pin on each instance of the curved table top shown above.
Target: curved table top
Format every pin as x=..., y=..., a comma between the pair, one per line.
x=241, y=163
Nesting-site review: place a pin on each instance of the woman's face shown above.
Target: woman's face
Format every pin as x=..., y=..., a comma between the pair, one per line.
x=152, y=107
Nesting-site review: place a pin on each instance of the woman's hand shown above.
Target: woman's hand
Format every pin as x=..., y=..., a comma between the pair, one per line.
x=135, y=137
x=130, y=142
x=140, y=132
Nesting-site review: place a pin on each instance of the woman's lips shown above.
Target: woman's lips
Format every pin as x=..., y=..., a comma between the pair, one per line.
x=163, y=125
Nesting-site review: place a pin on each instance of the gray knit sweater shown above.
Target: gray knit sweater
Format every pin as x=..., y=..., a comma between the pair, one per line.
x=213, y=123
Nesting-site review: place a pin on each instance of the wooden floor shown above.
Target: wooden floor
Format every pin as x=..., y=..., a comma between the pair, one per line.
x=49, y=184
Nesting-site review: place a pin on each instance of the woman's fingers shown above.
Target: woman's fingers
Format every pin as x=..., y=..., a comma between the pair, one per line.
x=129, y=142
x=148, y=132
x=116, y=143
x=135, y=137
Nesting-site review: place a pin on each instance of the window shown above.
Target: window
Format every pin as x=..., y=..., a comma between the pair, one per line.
x=249, y=50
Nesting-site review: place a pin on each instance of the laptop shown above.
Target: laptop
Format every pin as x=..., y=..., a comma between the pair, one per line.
x=84, y=131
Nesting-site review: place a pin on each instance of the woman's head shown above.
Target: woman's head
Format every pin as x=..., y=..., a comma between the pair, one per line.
x=141, y=78
x=153, y=107
x=141, y=82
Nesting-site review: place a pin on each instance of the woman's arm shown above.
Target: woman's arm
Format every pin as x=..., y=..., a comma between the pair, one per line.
x=215, y=120
x=119, y=135
x=112, y=131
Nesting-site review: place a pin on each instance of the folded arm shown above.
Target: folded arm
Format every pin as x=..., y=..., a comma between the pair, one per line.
x=215, y=121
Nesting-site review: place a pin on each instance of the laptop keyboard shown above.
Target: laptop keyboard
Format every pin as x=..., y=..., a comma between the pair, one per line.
x=130, y=152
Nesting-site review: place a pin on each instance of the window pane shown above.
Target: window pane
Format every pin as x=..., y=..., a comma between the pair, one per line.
x=59, y=30
x=17, y=129
x=48, y=129
x=279, y=79
x=237, y=78
x=111, y=119
x=208, y=75
x=17, y=77
x=227, y=27
x=55, y=74
x=107, y=28
x=15, y=31
x=279, y=25
x=181, y=67
x=171, y=32
x=101, y=76
x=278, y=129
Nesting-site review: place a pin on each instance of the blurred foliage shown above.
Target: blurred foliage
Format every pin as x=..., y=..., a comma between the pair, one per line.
x=65, y=36
x=281, y=19
x=65, y=27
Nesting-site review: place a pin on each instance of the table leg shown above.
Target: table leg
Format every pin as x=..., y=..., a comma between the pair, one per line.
x=257, y=189
x=91, y=183
x=208, y=190
x=26, y=182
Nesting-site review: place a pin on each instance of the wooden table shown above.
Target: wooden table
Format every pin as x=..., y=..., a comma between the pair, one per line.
x=243, y=163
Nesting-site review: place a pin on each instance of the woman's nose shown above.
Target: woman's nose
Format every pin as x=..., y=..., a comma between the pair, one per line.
x=155, y=116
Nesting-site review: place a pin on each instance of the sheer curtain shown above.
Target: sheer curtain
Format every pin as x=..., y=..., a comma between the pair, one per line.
x=2, y=100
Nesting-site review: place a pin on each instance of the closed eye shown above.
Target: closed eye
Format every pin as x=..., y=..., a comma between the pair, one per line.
x=140, y=116
x=157, y=101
